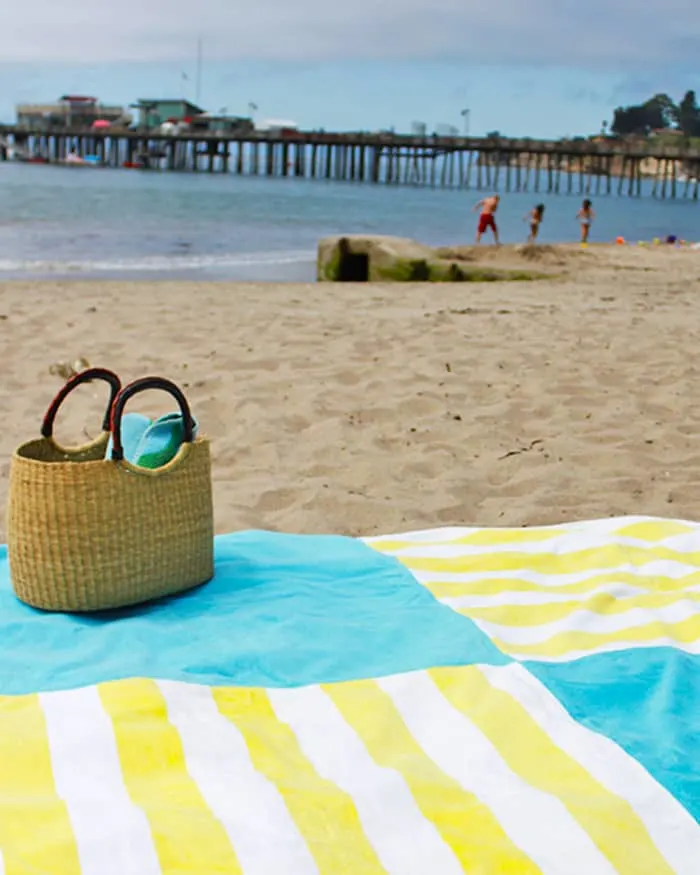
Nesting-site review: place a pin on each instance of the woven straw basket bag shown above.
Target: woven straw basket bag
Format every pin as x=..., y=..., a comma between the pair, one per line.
x=87, y=533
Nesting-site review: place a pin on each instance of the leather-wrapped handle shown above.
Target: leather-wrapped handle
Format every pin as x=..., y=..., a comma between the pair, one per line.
x=86, y=376
x=143, y=385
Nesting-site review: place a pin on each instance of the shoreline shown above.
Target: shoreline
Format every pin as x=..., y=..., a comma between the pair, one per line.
x=368, y=409
x=298, y=270
x=272, y=272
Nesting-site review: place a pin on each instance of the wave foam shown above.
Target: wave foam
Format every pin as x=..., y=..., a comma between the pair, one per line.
x=158, y=263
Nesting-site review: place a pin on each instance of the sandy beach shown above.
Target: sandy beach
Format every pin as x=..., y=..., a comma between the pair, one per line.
x=362, y=409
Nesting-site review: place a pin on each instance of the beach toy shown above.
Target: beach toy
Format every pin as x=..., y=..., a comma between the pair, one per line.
x=619, y=240
x=656, y=241
x=89, y=533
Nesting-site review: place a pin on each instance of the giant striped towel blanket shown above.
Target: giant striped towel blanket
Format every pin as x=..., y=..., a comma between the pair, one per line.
x=469, y=700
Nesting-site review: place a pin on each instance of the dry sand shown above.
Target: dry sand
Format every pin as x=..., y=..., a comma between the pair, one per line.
x=361, y=409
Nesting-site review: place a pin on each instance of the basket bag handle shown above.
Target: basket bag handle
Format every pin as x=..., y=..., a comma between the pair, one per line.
x=143, y=385
x=86, y=376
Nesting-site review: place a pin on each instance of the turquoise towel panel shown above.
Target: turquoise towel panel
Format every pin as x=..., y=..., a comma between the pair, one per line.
x=282, y=610
x=647, y=700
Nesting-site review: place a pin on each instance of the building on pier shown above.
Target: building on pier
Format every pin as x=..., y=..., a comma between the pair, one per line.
x=222, y=124
x=154, y=112
x=69, y=111
x=277, y=126
x=175, y=116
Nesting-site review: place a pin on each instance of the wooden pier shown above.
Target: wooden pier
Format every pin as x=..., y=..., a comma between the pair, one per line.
x=602, y=167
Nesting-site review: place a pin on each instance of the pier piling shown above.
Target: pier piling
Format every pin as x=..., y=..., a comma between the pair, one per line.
x=493, y=164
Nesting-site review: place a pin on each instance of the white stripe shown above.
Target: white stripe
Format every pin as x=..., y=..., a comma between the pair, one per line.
x=535, y=821
x=687, y=542
x=672, y=829
x=656, y=569
x=590, y=621
x=427, y=536
x=451, y=533
x=250, y=808
x=405, y=842
x=609, y=647
x=2, y=863
x=619, y=591
x=112, y=834
x=614, y=524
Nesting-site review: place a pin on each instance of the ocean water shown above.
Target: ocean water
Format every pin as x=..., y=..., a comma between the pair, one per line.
x=68, y=222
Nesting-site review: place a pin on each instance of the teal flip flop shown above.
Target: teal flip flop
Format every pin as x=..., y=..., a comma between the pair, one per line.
x=134, y=426
x=149, y=444
x=161, y=441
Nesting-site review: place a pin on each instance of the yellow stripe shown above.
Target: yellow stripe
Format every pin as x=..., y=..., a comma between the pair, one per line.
x=324, y=814
x=35, y=830
x=527, y=749
x=186, y=835
x=604, y=605
x=497, y=585
x=478, y=538
x=685, y=632
x=601, y=558
x=654, y=530
x=465, y=824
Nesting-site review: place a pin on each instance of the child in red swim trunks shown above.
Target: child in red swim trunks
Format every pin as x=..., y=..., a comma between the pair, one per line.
x=487, y=217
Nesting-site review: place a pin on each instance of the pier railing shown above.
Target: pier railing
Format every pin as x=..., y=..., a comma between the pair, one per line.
x=604, y=166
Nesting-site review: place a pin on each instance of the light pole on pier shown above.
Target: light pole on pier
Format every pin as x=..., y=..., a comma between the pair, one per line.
x=465, y=116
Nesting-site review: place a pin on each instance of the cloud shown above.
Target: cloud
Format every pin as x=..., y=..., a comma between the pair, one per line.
x=583, y=95
x=598, y=34
x=635, y=88
x=632, y=88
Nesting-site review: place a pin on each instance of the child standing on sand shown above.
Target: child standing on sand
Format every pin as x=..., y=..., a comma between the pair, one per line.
x=534, y=217
x=585, y=216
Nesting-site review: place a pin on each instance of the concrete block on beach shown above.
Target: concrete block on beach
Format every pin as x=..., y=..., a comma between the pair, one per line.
x=357, y=258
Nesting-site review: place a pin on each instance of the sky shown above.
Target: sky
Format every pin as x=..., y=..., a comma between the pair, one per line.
x=538, y=68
